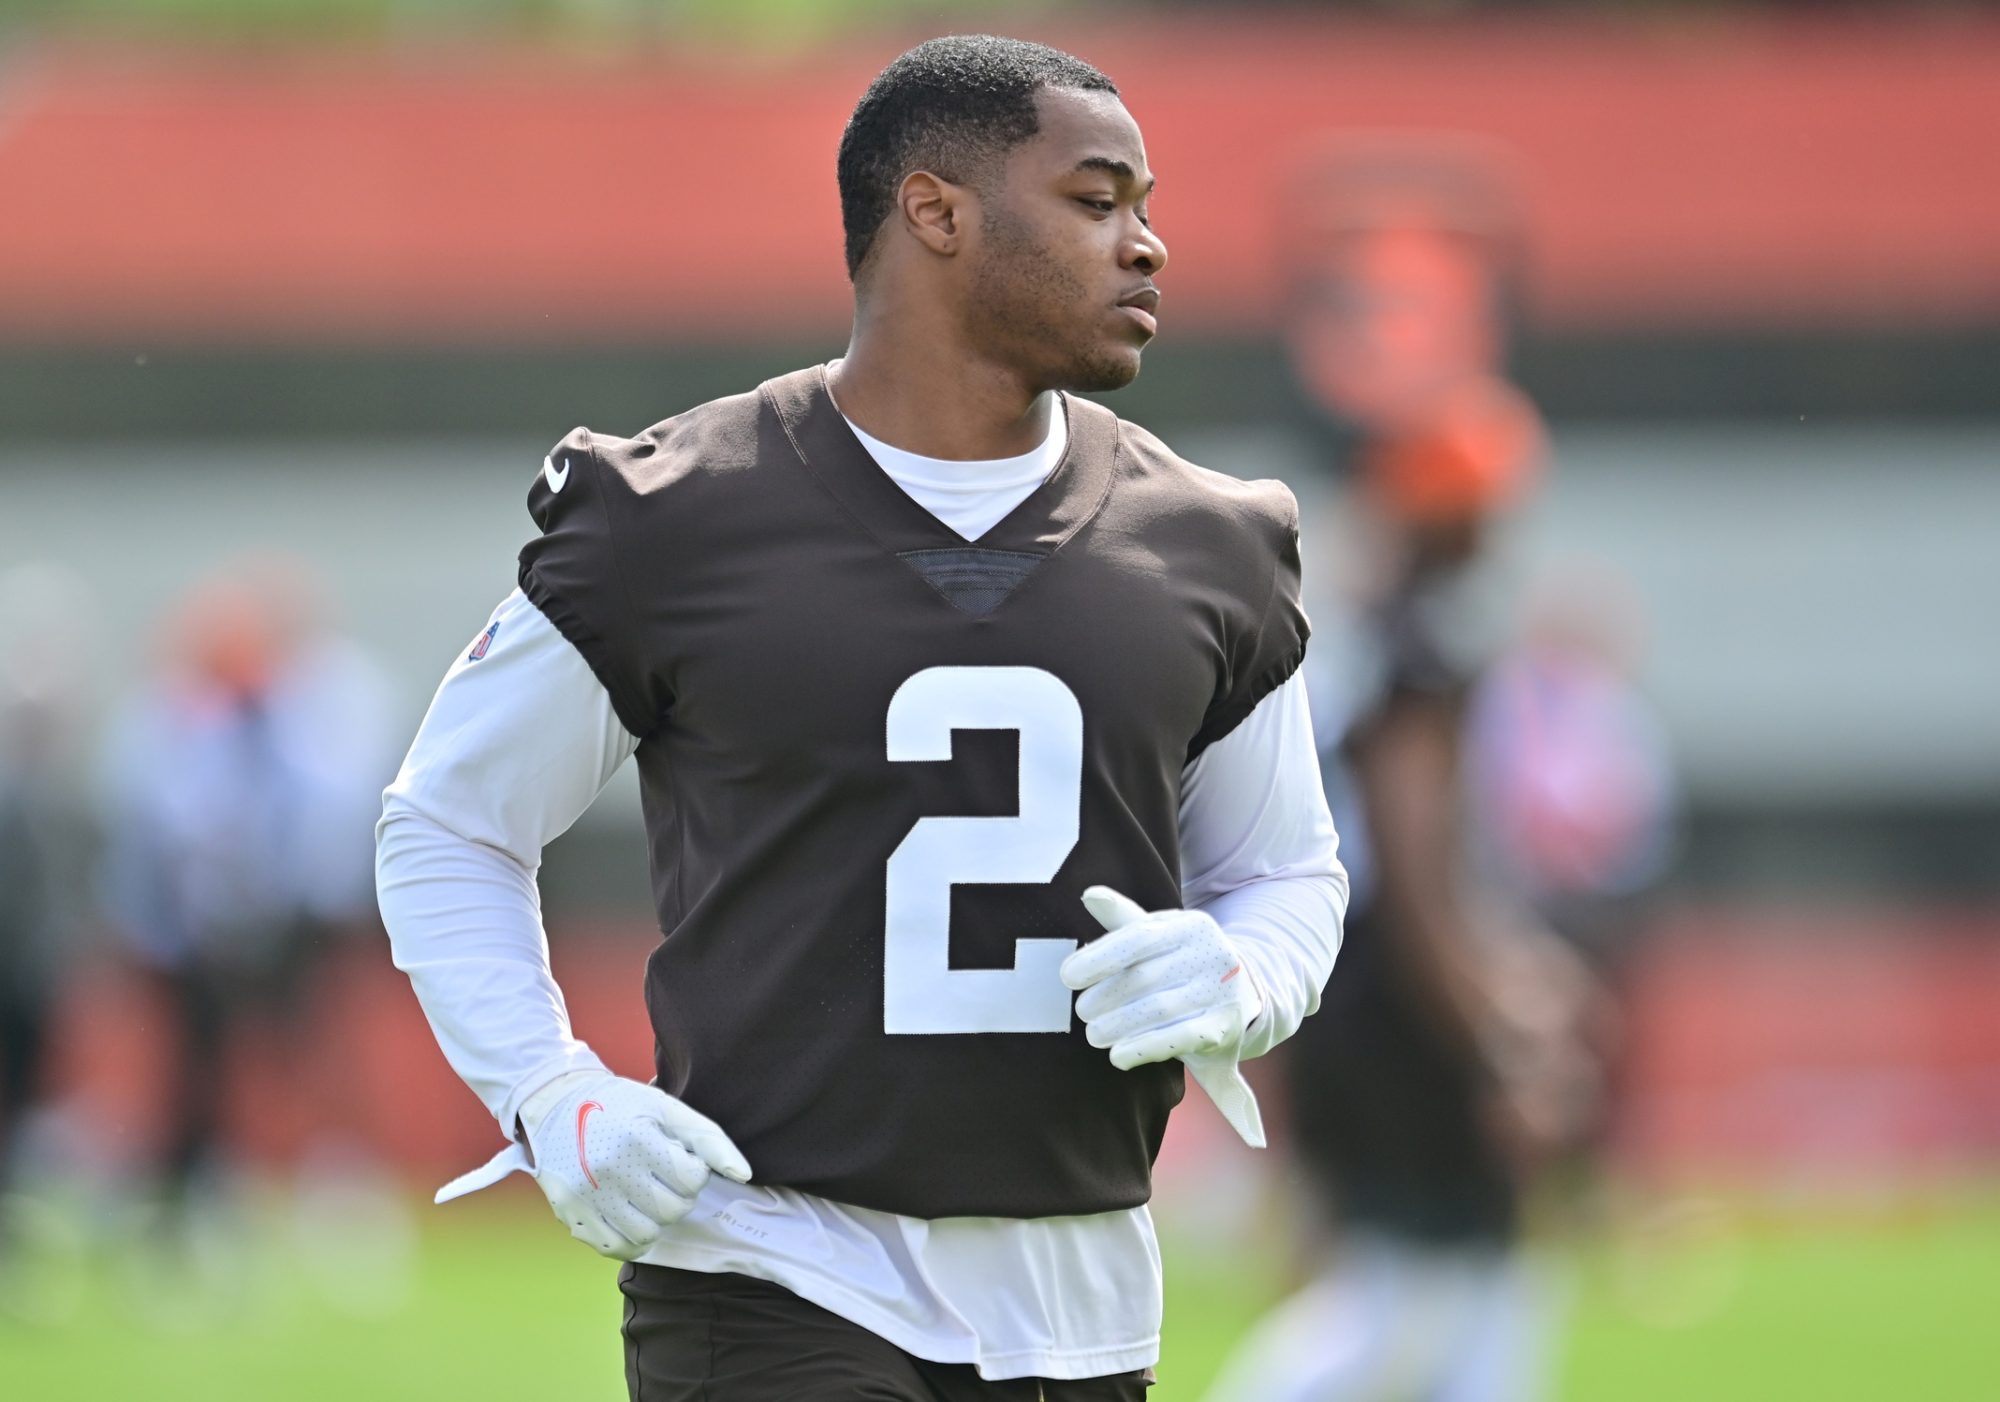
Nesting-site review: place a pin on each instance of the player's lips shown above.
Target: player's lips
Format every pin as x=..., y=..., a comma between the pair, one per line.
x=1143, y=306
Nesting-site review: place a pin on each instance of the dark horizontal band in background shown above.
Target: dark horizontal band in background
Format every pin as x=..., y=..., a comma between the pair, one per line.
x=257, y=391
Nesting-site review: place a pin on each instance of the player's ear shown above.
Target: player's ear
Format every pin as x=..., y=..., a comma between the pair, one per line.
x=935, y=211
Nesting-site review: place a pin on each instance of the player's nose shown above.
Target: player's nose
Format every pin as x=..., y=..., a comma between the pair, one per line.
x=1145, y=251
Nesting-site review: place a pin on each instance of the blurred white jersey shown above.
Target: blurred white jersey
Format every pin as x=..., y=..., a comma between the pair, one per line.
x=1391, y=1321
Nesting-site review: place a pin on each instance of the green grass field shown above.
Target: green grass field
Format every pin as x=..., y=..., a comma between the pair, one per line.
x=500, y=1305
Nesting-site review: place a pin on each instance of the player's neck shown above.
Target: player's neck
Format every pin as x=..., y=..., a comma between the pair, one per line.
x=911, y=395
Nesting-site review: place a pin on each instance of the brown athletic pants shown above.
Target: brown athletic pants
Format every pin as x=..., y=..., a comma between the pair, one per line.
x=695, y=1336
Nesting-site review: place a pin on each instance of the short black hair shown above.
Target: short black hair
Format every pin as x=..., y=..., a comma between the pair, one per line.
x=949, y=106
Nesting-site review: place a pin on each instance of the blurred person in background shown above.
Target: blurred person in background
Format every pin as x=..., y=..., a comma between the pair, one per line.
x=1575, y=800
x=1449, y=1060
x=47, y=838
x=238, y=843
x=1573, y=784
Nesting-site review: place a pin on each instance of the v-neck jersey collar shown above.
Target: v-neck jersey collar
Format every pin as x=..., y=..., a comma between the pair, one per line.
x=1044, y=519
x=947, y=477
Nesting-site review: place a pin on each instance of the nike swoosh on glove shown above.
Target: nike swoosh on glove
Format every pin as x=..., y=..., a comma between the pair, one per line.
x=618, y=1160
x=1168, y=983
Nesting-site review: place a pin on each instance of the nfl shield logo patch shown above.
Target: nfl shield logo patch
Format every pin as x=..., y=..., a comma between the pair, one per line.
x=485, y=642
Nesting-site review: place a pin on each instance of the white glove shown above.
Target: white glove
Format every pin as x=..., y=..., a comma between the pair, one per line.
x=618, y=1160
x=1169, y=984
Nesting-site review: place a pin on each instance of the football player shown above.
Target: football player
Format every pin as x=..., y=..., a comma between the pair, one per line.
x=1447, y=1065
x=978, y=778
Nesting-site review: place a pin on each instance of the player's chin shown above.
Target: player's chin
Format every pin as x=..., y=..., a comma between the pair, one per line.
x=1106, y=367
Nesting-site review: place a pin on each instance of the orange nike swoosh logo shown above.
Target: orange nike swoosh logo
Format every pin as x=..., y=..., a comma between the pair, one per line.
x=1232, y=973
x=582, y=1114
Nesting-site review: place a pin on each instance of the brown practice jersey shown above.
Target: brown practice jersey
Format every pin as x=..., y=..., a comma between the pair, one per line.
x=881, y=764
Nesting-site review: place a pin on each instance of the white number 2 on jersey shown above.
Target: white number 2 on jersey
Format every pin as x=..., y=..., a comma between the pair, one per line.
x=921, y=991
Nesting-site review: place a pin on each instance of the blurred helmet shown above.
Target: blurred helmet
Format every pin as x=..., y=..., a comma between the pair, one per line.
x=226, y=637
x=1472, y=451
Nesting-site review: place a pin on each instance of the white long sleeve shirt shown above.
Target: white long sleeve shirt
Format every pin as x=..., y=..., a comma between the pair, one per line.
x=518, y=743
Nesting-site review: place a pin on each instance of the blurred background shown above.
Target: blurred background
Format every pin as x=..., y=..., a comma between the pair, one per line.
x=294, y=296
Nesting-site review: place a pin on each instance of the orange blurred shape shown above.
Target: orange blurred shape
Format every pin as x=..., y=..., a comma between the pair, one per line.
x=236, y=630
x=226, y=638
x=1405, y=247
x=1474, y=451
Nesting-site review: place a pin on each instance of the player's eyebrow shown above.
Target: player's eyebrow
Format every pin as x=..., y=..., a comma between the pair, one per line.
x=1115, y=167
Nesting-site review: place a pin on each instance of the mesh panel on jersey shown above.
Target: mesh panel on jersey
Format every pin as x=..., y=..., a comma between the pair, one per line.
x=975, y=580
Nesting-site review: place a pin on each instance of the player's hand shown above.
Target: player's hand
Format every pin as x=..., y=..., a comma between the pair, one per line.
x=1169, y=983
x=621, y=1161
x=1159, y=985
x=1545, y=1044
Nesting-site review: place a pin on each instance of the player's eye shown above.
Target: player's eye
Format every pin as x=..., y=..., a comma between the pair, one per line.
x=1101, y=206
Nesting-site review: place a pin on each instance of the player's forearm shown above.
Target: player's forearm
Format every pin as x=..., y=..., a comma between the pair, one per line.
x=1288, y=930
x=464, y=923
x=1261, y=858
x=1408, y=765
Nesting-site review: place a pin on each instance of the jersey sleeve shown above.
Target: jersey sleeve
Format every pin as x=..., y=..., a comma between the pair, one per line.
x=571, y=572
x=1268, y=640
x=518, y=741
x=1259, y=854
